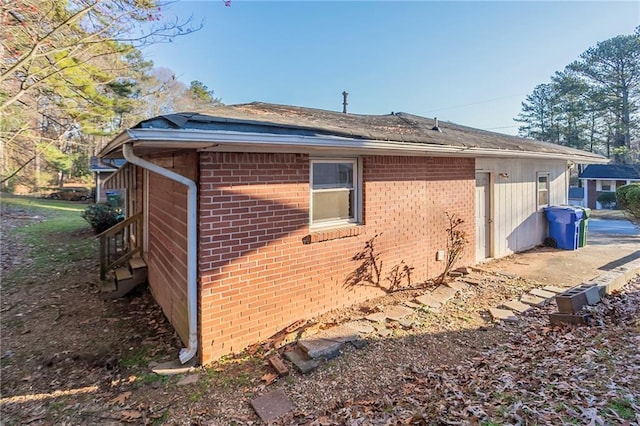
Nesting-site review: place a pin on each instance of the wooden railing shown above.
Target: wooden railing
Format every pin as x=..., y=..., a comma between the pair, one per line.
x=120, y=243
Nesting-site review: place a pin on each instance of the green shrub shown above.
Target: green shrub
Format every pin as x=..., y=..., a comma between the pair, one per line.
x=628, y=197
x=607, y=199
x=101, y=216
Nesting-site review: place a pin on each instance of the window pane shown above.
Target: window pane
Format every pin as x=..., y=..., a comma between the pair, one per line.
x=542, y=182
x=543, y=198
x=332, y=175
x=333, y=205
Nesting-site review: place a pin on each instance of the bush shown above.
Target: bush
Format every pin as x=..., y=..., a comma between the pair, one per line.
x=607, y=199
x=628, y=197
x=101, y=216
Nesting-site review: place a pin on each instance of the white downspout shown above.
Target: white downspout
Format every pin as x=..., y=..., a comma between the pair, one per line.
x=192, y=245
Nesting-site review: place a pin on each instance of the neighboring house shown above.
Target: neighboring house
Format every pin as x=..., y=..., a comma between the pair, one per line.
x=254, y=213
x=599, y=178
x=576, y=196
x=101, y=172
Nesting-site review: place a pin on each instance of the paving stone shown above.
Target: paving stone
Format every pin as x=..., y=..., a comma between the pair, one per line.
x=384, y=332
x=301, y=361
x=188, y=380
x=272, y=405
x=542, y=293
x=412, y=305
x=428, y=301
x=361, y=327
x=472, y=280
x=396, y=313
x=443, y=293
x=509, y=275
x=406, y=322
x=558, y=318
x=377, y=317
x=533, y=300
x=455, y=274
x=554, y=289
x=341, y=333
x=517, y=306
x=503, y=315
x=318, y=348
x=458, y=285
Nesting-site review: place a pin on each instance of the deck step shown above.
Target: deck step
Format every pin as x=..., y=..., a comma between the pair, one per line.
x=137, y=263
x=123, y=274
x=107, y=286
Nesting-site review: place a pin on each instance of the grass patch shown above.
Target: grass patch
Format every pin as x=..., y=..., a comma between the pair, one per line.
x=56, y=238
x=623, y=408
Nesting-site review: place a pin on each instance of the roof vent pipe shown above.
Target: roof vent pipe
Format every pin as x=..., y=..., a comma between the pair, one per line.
x=344, y=101
x=436, y=127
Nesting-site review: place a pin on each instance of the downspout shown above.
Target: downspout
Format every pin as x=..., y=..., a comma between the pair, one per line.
x=192, y=285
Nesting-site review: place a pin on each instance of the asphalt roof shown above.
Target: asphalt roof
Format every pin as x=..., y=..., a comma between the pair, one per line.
x=259, y=117
x=610, y=171
x=96, y=166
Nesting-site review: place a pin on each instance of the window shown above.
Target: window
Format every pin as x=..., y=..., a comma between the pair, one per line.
x=606, y=186
x=334, y=192
x=543, y=189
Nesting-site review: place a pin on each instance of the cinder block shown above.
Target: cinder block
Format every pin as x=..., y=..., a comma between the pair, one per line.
x=557, y=318
x=571, y=302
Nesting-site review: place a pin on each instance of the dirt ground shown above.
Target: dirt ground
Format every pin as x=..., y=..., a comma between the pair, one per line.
x=70, y=358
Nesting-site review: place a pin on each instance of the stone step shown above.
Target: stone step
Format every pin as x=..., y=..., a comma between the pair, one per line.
x=554, y=289
x=301, y=360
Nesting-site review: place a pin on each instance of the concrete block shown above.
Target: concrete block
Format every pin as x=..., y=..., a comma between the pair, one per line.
x=558, y=318
x=570, y=303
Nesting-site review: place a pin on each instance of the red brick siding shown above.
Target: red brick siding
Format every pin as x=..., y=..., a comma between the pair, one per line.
x=258, y=275
x=592, y=194
x=167, y=251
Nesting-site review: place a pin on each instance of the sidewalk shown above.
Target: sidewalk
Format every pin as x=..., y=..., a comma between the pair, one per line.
x=567, y=268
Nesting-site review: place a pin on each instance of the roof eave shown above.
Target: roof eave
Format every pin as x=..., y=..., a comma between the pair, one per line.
x=162, y=139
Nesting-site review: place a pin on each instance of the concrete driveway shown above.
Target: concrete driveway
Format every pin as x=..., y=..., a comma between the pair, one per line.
x=610, y=243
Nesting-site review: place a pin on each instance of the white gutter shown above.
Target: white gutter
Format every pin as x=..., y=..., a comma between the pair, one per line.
x=192, y=248
x=227, y=140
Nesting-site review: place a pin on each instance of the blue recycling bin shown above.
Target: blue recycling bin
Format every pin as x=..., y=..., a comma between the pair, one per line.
x=564, y=226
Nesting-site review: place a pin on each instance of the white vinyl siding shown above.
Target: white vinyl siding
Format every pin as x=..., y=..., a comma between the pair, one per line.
x=518, y=222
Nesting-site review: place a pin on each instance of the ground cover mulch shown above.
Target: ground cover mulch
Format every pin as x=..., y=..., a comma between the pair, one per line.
x=69, y=358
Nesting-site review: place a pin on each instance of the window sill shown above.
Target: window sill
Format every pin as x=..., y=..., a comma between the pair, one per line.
x=318, y=236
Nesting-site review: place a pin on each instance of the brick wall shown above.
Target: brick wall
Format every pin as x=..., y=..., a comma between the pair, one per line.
x=261, y=268
x=167, y=242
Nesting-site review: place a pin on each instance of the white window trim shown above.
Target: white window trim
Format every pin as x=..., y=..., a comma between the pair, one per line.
x=538, y=176
x=357, y=188
x=612, y=182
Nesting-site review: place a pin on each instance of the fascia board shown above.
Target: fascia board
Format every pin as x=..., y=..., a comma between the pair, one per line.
x=236, y=141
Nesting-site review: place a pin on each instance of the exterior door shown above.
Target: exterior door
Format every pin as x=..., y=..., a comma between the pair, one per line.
x=483, y=216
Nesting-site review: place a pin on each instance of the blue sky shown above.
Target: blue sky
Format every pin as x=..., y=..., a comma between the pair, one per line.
x=471, y=63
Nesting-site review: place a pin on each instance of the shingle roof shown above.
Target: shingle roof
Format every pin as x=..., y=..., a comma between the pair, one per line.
x=610, y=171
x=96, y=166
x=259, y=117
